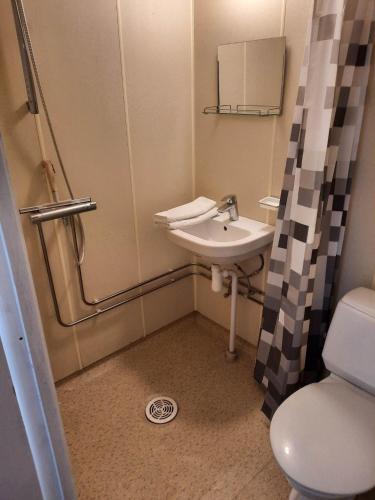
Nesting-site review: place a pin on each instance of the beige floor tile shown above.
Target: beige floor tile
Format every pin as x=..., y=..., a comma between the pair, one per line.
x=218, y=441
x=216, y=449
x=268, y=484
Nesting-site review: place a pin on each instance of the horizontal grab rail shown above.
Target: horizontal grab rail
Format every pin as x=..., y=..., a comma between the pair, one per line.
x=55, y=204
x=61, y=212
x=98, y=312
x=113, y=295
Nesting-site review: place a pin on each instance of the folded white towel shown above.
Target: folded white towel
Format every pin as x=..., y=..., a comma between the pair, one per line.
x=193, y=209
x=189, y=222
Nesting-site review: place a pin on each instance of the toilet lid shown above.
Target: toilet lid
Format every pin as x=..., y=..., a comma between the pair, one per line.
x=323, y=437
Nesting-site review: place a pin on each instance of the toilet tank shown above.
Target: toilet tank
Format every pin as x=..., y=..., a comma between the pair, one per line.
x=349, y=350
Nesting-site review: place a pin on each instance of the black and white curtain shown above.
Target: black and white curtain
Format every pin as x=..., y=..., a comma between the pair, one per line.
x=315, y=196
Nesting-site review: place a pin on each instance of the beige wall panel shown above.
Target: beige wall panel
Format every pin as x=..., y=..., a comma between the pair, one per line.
x=168, y=304
x=77, y=50
x=211, y=304
x=357, y=265
x=149, y=159
x=216, y=307
x=242, y=154
x=78, y=53
x=110, y=332
x=249, y=318
x=157, y=49
x=23, y=156
x=240, y=167
x=157, y=53
x=297, y=13
x=233, y=153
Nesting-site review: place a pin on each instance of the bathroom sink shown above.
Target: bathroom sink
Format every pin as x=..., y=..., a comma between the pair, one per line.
x=221, y=241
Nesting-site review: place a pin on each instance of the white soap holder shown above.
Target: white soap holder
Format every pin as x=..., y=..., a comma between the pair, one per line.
x=270, y=202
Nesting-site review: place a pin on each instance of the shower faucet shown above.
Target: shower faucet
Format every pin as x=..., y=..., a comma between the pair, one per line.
x=230, y=206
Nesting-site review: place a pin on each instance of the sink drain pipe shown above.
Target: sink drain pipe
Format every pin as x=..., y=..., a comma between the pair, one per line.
x=231, y=353
x=217, y=278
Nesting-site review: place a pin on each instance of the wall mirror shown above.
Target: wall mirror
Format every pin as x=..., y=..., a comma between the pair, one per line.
x=250, y=77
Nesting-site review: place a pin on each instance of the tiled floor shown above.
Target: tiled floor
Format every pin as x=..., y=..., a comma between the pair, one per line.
x=217, y=448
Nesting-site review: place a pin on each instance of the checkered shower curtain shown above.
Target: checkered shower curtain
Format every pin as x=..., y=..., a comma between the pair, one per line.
x=315, y=196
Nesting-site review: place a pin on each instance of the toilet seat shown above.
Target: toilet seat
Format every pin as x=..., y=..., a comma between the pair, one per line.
x=323, y=437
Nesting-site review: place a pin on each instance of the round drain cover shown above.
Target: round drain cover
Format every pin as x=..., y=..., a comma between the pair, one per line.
x=161, y=410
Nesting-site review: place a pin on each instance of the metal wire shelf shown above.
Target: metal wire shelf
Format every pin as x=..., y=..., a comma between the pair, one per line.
x=242, y=109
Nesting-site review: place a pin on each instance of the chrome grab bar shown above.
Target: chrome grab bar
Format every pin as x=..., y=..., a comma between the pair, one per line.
x=60, y=213
x=58, y=210
x=57, y=204
x=113, y=295
x=170, y=275
x=98, y=311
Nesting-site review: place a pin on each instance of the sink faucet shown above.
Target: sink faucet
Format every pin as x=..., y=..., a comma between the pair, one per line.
x=230, y=206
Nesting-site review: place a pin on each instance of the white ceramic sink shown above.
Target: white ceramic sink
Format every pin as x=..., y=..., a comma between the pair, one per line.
x=222, y=241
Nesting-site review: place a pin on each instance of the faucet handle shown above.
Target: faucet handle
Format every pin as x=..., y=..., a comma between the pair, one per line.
x=231, y=199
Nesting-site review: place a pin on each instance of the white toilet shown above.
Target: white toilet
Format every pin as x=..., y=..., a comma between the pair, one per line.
x=323, y=436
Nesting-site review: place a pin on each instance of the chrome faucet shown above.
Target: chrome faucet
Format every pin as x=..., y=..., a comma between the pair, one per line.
x=230, y=206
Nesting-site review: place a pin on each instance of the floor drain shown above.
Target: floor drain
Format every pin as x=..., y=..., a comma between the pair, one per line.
x=161, y=410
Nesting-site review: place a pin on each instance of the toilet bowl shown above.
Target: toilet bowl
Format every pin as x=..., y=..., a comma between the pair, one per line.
x=323, y=436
